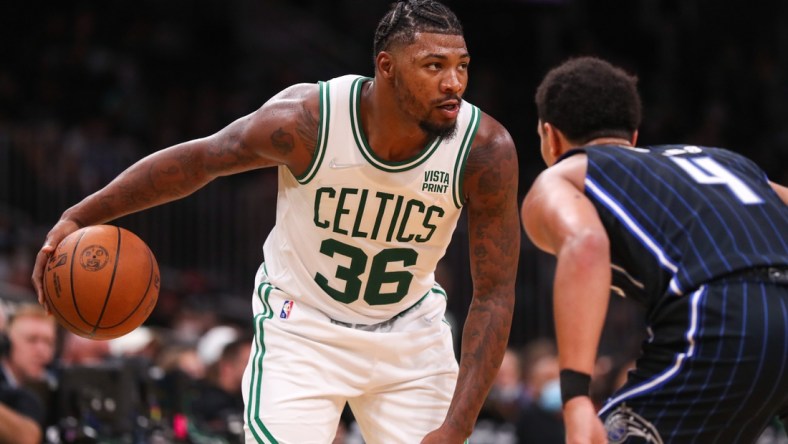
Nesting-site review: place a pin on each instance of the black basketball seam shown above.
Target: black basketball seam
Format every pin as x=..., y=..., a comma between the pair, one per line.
x=58, y=314
x=111, y=284
x=71, y=280
x=139, y=304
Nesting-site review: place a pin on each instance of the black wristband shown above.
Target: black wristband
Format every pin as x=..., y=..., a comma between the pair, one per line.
x=574, y=384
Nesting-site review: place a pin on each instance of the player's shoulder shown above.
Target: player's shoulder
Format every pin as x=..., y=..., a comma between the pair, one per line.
x=492, y=154
x=303, y=92
x=492, y=131
x=492, y=139
x=572, y=166
x=308, y=95
x=290, y=105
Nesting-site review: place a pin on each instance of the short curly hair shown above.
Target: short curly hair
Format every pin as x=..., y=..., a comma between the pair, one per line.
x=405, y=18
x=587, y=98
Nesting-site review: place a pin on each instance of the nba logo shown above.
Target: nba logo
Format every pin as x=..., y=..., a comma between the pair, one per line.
x=288, y=305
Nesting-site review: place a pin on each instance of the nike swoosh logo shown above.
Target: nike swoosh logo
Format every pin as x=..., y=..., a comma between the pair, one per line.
x=338, y=166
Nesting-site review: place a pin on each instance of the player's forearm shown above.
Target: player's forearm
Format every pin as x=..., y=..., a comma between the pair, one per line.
x=484, y=340
x=581, y=294
x=17, y=428
x=161, y=177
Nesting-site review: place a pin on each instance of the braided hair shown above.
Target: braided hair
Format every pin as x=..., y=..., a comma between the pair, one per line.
x=405, y=18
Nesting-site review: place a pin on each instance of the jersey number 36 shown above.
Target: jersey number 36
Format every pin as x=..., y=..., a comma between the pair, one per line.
x=378, y=273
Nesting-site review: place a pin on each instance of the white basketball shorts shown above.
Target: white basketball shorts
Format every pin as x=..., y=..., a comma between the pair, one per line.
x=398, y=376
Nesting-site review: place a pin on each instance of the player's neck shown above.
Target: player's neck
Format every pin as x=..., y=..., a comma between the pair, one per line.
x=390, y=133
x=609, y=141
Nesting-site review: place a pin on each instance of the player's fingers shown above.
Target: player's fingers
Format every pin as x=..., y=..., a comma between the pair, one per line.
x=38, y=274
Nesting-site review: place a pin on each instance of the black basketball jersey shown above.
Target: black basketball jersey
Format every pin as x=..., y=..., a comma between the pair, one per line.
x=678, y=216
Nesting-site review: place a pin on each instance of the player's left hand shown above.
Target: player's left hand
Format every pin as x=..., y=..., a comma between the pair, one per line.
x=444, y=435
x=583, y=426
x=63, y=228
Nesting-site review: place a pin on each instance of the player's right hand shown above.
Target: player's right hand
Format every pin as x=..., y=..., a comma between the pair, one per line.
x=63, y=228
x=583, y=426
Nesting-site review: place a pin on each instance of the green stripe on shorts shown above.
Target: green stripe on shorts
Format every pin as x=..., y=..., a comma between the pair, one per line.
x=256, y=426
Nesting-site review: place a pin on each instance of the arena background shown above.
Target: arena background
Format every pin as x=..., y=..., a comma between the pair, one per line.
x=87, y=88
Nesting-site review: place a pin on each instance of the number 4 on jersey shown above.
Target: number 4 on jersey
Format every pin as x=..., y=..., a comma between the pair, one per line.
x=707, y=171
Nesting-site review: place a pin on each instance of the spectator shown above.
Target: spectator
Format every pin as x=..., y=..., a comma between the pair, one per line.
x=217, y=406
x=28, y=346
x=78, y=350
x=540, y=419
x=182, y=358
x=502, y=406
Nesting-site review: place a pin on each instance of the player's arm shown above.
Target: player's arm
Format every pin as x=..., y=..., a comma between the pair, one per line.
x=490, y=186
x=18, y=428
x=781, y=191
x=560, y=219
x=272, y=135
x=282, y=132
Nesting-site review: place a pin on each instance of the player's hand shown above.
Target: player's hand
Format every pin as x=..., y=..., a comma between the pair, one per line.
x=444, y=435
x=63, y=228
x=582, y=424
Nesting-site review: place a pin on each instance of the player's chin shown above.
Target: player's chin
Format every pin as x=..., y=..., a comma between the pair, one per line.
x=440, y=127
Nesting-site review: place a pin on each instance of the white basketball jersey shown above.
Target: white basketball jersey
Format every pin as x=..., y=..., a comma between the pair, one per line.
x=359, y=237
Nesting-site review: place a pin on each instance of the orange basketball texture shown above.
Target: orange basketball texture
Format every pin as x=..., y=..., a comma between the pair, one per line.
x=101, y=282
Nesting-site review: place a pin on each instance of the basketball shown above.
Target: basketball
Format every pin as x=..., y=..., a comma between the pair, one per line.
x=101, y=282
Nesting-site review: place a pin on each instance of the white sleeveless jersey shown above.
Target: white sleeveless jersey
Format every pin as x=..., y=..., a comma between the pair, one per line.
x=358, y=237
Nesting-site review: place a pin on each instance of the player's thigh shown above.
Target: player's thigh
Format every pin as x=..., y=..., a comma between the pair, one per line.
x=414, y=386
x=720, y=378
x=407, y=412
x=292, y=392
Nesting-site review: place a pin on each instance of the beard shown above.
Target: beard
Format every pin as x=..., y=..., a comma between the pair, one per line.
x=407, y=101
x=433, y=130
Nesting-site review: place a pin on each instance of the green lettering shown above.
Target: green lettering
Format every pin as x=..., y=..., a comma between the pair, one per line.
x=430, y=211
x=318, y=195
x=341, y=209
x=384, y=198
x=405, y=217
x=394, y=218
x=360, y=215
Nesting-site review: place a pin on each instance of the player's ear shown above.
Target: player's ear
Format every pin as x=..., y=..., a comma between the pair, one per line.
x=555, y=140
x=635, y=138
x=385, y=64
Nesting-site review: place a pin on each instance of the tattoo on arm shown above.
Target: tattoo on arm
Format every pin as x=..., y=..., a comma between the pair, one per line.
x=169, y=178
x=479, y=159
x=307, y=129
x=484, y=338
x=228, y=153
x=282, y=141
x=495, y=233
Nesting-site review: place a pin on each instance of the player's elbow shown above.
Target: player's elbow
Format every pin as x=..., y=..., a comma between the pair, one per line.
x=587, y=248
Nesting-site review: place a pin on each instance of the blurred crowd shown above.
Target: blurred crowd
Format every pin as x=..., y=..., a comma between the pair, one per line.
x=88, y=87
x=182, y=384
x=150, y=386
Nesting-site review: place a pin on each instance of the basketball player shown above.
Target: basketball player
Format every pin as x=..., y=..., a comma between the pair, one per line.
x=373, y=175
x=697, y=234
